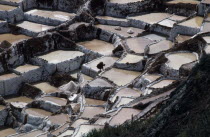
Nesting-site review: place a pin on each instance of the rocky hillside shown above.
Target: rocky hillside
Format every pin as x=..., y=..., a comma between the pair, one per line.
x=186, y=114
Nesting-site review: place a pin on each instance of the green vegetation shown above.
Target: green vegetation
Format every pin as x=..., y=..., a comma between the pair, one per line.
x=198, y=127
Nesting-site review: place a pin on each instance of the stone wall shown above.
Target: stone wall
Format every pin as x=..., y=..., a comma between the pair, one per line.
x=12, y=16
x=122, y=10
x=63, y=5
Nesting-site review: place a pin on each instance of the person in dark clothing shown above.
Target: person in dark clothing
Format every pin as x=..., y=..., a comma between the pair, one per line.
x=100, y=66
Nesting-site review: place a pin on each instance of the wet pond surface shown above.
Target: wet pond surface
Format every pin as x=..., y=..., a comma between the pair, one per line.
x=118, y=76
x=46, y=87
x=19, y=99
x=34, y=27
x=56, y=100
x=25, y=68
x=176, y=60
x=138, y=44
x=90, y=112
x=123, y=30
x=123, y=115
x=7, y=131
x=84, y=129
x=11, y=38
x=160, y=46
x=6, y=7
x=60, y=56
x=38, y=112
x=57, y=15
x=162, y=83
x=151, y=18
x=195, y=22
x=130, y=58
x=99, y=46
x=127, y=92
x=90, y=101
x=108, y=61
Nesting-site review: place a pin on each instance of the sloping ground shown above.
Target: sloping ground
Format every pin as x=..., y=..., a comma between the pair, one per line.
x=186, y=114
x=62, y=82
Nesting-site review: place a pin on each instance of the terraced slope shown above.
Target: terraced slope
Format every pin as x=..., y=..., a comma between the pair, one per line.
x=68, y=67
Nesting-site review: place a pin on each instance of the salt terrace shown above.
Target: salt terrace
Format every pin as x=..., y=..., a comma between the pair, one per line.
x=67, y=68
